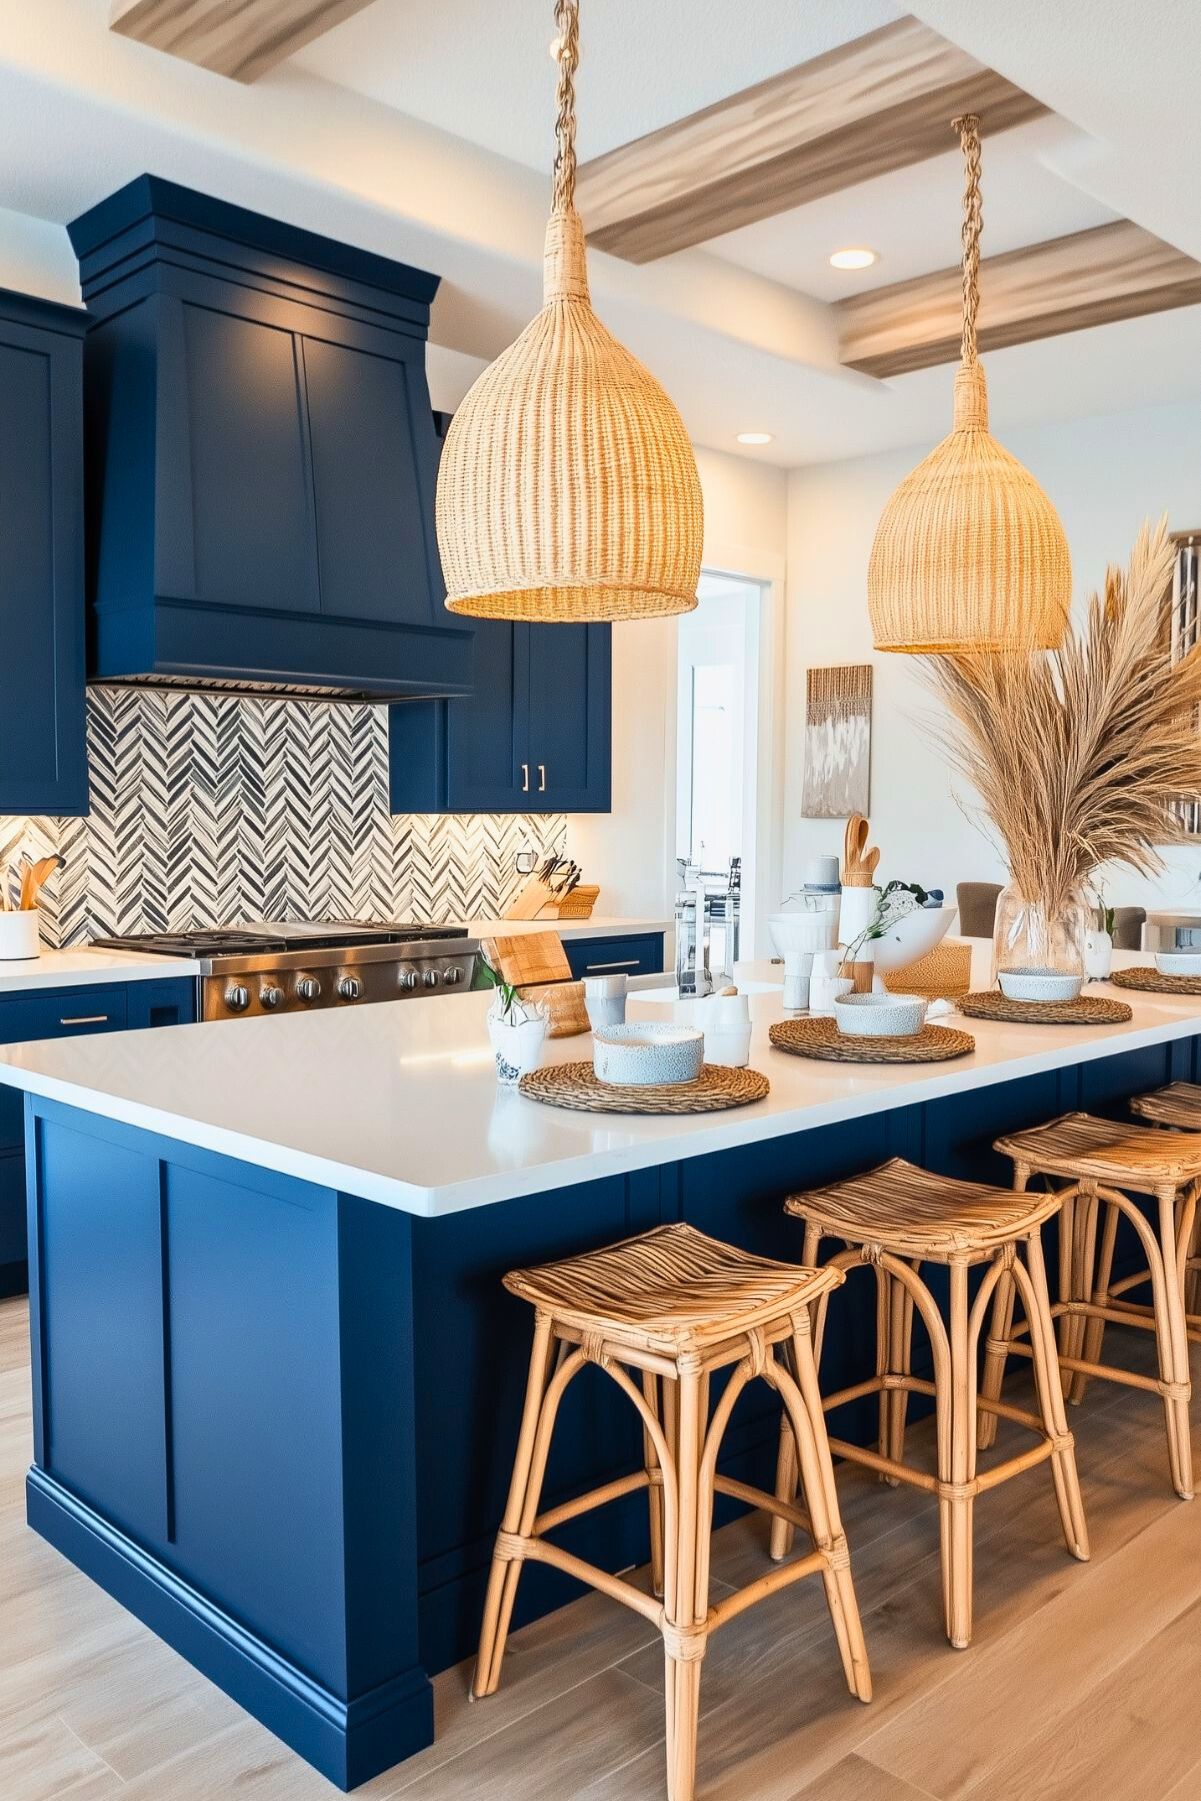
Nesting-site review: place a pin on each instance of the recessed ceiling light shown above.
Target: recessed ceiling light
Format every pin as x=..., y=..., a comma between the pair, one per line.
x=852, y=259
x=754, y=437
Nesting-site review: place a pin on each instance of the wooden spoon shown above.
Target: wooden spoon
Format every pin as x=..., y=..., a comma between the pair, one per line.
x=32, y=877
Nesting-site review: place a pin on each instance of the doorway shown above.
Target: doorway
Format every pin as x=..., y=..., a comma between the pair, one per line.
x=717, y=736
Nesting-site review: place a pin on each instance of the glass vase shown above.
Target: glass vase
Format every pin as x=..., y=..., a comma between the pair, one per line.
x=1026, y=935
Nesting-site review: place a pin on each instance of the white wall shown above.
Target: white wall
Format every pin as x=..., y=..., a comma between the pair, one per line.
x=631, y=851
x=1105, y=475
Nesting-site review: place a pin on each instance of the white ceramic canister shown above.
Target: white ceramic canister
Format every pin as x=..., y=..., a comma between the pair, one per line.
x=20, y=939
x=825, y=982
x=1098, y=956
x=517, y=1046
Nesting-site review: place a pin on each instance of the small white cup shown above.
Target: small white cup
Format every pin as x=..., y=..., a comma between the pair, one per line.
x=19, y=938
x=605, y=1000
x=728, y=1045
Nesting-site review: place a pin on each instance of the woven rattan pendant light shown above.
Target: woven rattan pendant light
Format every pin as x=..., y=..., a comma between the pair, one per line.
x=969, y=554
x=568, y=489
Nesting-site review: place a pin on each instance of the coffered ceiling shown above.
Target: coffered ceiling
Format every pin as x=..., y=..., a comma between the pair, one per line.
x=424, y=131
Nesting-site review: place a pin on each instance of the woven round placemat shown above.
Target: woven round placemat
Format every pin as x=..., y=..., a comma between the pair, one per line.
x=1149, y=981
x=822, y=1038
x=577, y=1086
x=1085, y=1010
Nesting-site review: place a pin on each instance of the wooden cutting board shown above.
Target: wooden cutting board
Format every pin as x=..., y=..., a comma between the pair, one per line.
x=528, y=957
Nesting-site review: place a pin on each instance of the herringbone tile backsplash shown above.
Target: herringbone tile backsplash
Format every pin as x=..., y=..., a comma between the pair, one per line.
x=210, y=810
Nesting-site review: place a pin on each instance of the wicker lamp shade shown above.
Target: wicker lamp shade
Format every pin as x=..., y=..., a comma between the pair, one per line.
x=969, y=554
x=568, y=489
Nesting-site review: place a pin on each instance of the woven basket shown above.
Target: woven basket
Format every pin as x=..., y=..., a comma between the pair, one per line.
x=568, y=489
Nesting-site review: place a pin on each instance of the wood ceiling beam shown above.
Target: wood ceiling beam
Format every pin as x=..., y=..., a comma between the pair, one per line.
x=239, y=38
x=880, y=103
x=1093, y=277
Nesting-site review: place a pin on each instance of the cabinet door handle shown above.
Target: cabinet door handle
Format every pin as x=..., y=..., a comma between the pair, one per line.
x=595, y=969
x=542, y=778
x=525, y=778
x=86, y=1019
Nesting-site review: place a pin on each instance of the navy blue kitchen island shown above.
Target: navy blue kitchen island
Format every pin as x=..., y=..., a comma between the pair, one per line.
x=276, y=1387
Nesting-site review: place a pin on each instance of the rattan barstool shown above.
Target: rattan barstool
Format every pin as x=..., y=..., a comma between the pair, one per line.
x=896, y=1219
x=674, y=1306
x=1102, y=1162
x=1179, y=1105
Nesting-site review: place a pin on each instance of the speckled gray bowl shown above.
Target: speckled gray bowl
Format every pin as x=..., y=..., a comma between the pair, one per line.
x=1039, y=984
x=639, y=1056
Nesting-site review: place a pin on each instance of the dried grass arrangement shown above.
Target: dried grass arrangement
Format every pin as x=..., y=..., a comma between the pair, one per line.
x=1078, y=753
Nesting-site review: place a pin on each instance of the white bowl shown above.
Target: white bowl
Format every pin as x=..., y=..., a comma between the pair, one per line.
x=912, y=937
x=639, y=1056
x=879, y=1015
x=1179, y=962
x=1039, y=984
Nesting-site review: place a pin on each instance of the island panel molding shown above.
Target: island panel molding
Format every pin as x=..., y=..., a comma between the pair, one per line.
x=1093, y=277
x=241, y=41
x=882, y=102
x=210, y=809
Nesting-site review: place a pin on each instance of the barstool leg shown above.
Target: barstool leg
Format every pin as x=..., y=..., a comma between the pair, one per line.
x=1094, y=1330
x=956, y=1501
x=683, y=1646
x=1037, y=1301
x=821, y=1503
x=1084, y=1259
x=650, y=1389
x=504, y=1573
x=783, y=1533
x=903, y=1356
x=996, y=1355
x=1175, y=1343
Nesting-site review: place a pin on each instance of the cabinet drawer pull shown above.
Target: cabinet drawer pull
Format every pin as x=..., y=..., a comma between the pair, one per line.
x=525, y=778
x=85, y=1019
x=542, y=778
x=595, y=969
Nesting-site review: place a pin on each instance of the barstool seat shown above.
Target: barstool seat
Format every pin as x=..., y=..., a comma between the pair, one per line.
x=1179, y=1104
x=896, y=1219
x=675, y=1306
x=913, y=1213
x=1101, y=1163
x=672, y=1290
x=1079, y=1145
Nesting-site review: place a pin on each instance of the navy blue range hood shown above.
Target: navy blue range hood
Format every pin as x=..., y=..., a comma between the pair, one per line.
x=261, y=457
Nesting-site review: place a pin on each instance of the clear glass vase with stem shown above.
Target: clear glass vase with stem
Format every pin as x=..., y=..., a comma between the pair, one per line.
x=1031, y=932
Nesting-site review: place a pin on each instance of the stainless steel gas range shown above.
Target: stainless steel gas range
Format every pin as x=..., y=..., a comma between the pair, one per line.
x=292, y=968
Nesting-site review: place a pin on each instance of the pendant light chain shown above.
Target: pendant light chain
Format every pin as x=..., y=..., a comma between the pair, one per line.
x=567, y=24
x=973, y=219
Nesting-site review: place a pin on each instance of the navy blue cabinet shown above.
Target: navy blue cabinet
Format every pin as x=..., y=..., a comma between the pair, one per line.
x=640, y=955
x=262, y=455
x=534, y=737
x=43, y=761
x=66, y=1013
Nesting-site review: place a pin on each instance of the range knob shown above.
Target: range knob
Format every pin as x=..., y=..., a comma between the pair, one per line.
x=270, y=997
x=237, y=998
x=452, y=975
x=308, y=988
x=349, y=988
x=407, y=980
x=430, y=978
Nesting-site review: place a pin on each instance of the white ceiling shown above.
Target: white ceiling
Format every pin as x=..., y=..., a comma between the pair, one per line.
x=422, y=131
x=482, y=68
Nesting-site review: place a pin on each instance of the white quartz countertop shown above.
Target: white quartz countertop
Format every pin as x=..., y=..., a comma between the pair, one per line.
x=85, y=967
x=399, y=1103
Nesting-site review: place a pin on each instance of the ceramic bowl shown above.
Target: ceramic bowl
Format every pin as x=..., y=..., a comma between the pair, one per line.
x=1039, y=984
x=912, y=937
x=639, y=1056
x=1179, y=962
x=879, y=1015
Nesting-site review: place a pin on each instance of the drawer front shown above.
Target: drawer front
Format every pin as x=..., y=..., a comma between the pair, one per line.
x=639, y=956
x=67, y=1013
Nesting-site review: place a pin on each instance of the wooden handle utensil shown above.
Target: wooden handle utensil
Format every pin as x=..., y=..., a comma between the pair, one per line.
x=859, y=863
x=32, y=877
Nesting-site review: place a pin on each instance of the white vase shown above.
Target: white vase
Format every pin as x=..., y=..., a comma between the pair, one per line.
x=517, y=1043
x=1098, y=956
x=19, y=937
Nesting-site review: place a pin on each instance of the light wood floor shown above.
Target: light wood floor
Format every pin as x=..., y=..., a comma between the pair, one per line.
x=1082, y=1684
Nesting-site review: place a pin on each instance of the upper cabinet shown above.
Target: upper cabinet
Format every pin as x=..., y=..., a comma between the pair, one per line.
x=43, y=760
x=533, y=738
x=261, y=456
